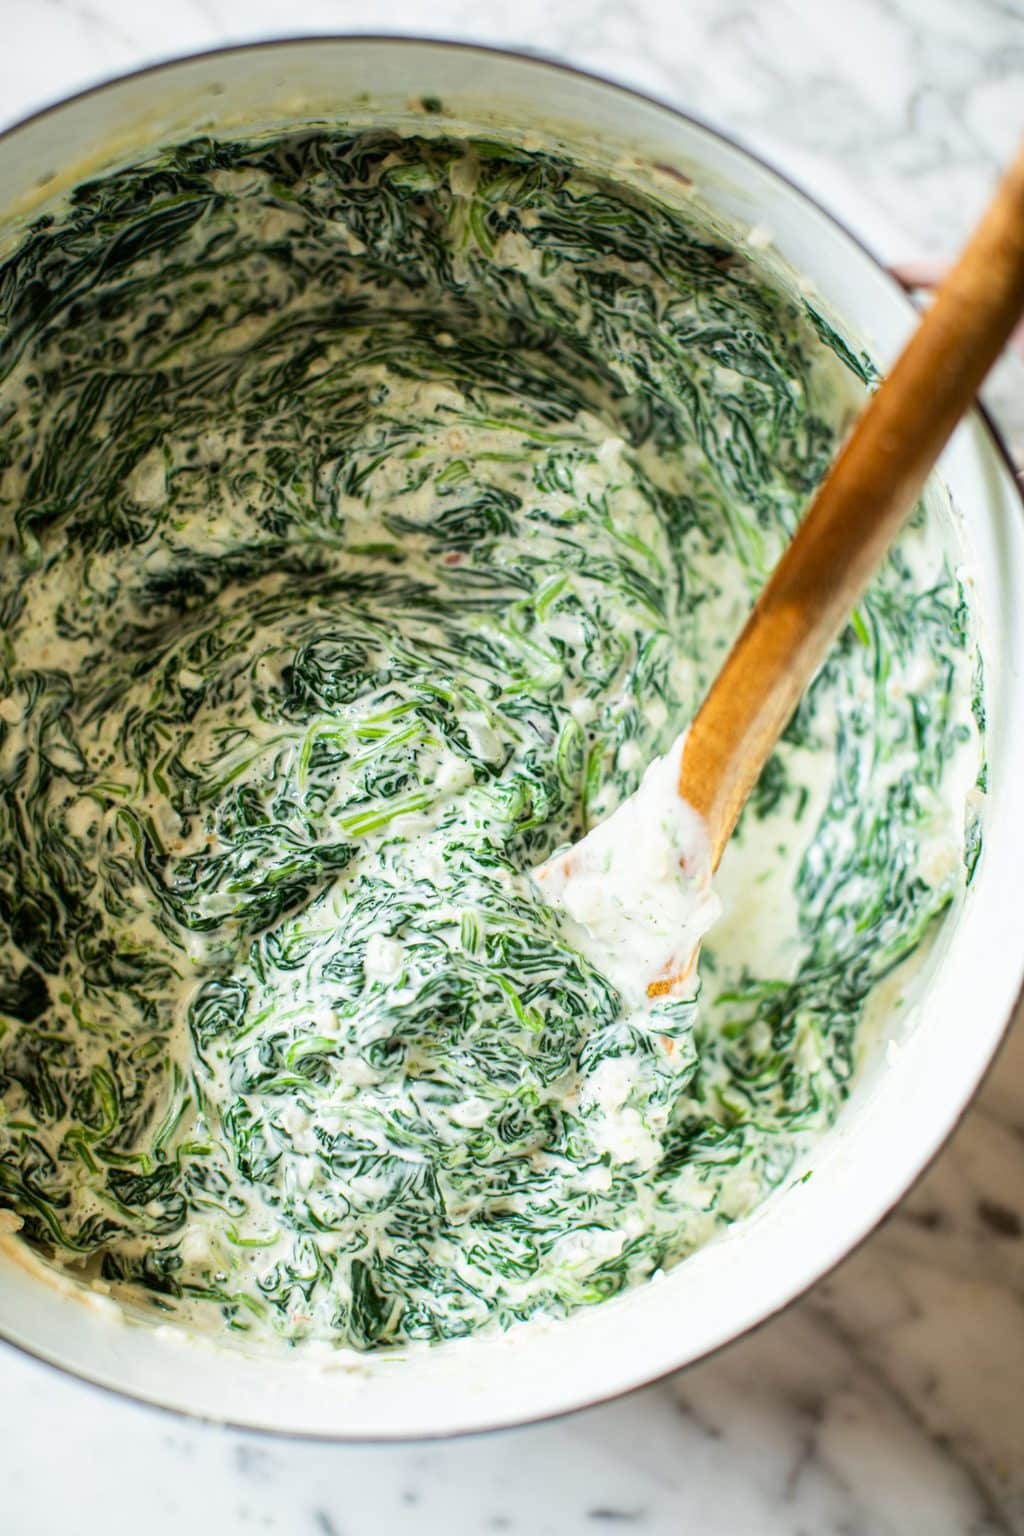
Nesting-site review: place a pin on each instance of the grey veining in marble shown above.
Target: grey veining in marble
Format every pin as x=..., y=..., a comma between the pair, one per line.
x=889, y=1400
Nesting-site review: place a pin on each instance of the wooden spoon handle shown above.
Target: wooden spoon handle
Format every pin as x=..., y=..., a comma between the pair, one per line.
x=856, y=513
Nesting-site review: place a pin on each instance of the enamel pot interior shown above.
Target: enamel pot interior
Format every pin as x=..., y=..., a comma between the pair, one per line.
x=912, y=1091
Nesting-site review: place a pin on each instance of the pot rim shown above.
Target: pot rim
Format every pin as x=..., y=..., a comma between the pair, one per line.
x=556, y=66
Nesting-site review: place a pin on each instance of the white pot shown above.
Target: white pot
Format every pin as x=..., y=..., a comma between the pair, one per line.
x=904, y=1104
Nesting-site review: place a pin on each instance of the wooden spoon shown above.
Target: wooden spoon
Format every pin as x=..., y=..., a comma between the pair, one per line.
x=859, y=508
x=854, y=517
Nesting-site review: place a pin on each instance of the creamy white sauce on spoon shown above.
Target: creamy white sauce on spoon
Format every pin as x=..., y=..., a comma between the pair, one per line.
x=637, y=888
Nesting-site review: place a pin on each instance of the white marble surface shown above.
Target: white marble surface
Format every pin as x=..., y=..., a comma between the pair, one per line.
x=890, y=1399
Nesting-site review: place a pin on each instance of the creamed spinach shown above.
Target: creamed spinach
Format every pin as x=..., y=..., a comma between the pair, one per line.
x=373, y=509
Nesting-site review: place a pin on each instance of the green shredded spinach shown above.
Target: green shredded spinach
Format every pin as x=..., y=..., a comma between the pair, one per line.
x=373, y=509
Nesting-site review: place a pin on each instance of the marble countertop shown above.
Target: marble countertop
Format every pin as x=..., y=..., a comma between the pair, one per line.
x=890, y=1399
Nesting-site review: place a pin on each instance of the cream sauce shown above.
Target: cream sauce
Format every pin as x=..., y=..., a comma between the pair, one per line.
x=372, y=513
